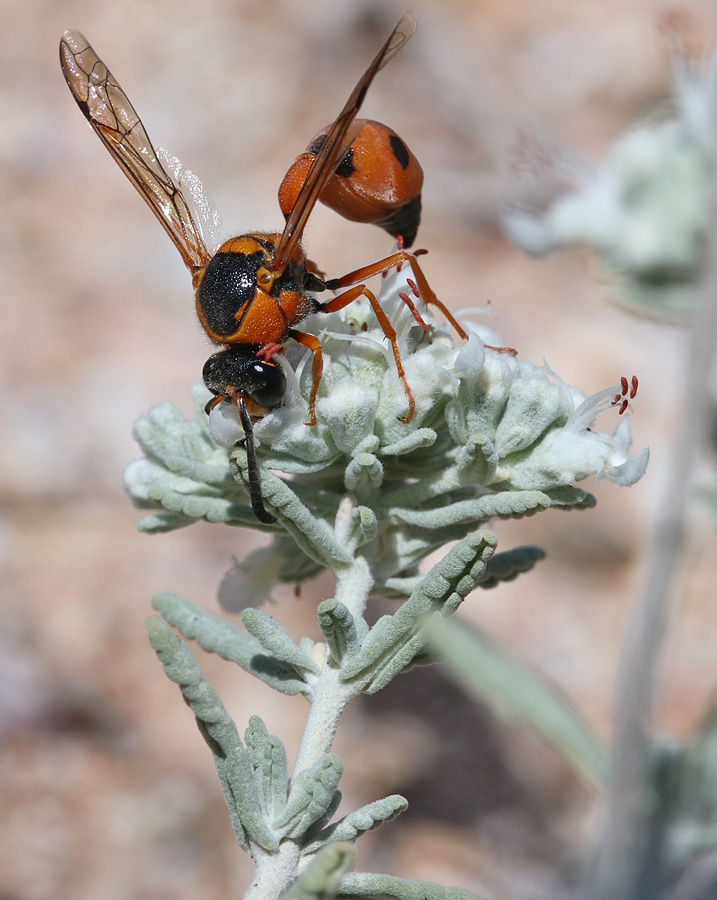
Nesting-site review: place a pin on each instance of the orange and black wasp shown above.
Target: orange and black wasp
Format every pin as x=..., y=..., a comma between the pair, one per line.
x=253, y=291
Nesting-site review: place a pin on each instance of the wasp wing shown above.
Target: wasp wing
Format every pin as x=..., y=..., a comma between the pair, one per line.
x=331, y=153
x=110, y=113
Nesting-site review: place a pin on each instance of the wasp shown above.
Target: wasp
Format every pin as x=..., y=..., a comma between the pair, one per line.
x=252, y=292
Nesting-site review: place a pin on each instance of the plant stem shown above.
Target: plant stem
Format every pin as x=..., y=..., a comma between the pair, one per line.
x=629, y=859
x=275, y=872
x=329, y=696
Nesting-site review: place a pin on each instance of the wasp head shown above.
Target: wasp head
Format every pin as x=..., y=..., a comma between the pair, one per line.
x=237, y=372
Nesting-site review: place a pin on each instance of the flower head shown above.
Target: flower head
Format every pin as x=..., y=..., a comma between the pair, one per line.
x=491, y=436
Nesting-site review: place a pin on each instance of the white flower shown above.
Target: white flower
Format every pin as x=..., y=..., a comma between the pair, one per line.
x=491, y=435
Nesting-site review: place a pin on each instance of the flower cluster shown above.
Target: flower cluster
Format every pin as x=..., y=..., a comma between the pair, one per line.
x=492, y=436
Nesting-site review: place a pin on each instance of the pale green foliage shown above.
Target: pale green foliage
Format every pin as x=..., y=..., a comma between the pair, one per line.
x=370, y=498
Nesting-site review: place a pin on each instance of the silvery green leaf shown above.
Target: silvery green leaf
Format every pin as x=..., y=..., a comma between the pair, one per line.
x=363, y=473
x=321, y=878
x=165, y=434
x=508, y=565
x=508, y=505
x=152, y=485
x=313, y=535
x=268, y=758
x=182, y=668
x=363, y=528
x=367, y=886
x=322, y=822
x=493, y=675
x=401, y=660
x=477, y=460
x=395, y=640
x=312, y=792
x=339, y=629
x=571, y=498
x=274, y=638
x=284, y=462
x=215, y=635
x=163, y=522
x=218, y=730
x=357, y=823
x=692, y=793
x=201, y=506
x=414, y=440
x=434, y=483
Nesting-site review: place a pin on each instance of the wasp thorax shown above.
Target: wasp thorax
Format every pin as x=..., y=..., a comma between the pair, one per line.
x=227, y=286
x=236, y=372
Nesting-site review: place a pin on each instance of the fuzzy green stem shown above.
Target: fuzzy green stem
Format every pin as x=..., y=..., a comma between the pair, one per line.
x=329, y=695
x=275, y=872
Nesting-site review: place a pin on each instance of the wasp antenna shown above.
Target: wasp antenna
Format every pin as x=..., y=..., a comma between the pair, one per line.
x=257, y=502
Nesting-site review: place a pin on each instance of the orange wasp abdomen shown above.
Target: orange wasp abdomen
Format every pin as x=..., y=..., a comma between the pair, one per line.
x=378, y=180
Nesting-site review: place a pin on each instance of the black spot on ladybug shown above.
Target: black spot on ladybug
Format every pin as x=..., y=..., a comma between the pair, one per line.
x=400, y=150
x=346, y=167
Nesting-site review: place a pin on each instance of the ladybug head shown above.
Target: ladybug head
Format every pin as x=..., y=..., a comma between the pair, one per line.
x=237, y=372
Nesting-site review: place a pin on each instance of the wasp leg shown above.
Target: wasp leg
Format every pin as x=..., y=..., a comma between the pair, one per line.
x=317, y=366
x=215, y=401
x=362, y=291
x=391, y=262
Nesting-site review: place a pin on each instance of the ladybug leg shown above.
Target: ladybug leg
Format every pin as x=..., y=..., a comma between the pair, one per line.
x=391, y=262
x=362, y=291
x=317, y=367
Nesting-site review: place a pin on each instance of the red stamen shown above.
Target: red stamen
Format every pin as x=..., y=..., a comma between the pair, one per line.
x=628, y=392
x=414, y=288
x=416, y=315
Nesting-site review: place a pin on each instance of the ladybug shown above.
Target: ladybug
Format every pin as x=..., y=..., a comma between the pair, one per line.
x=377, y=180
x=256, y=288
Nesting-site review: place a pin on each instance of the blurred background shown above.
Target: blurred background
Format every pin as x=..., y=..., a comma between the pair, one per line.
x=106, y=787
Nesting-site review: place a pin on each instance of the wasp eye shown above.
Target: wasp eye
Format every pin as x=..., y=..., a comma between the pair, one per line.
x=268, y=384
x=237, y=371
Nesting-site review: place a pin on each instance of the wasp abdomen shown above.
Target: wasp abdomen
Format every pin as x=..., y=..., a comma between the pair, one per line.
x=377, y=180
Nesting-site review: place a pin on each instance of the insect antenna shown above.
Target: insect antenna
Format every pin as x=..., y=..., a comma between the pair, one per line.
x=257, y=502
